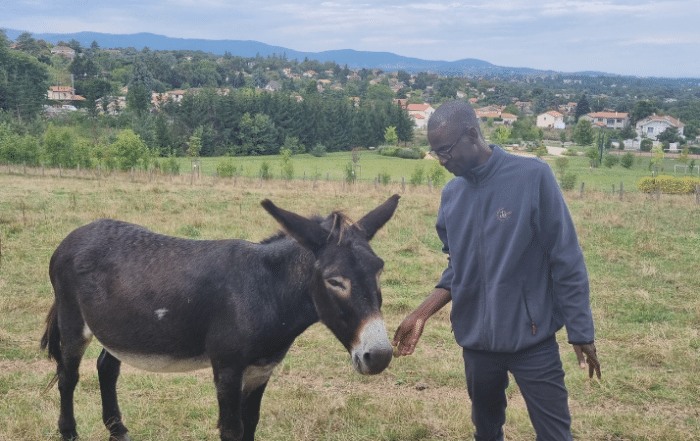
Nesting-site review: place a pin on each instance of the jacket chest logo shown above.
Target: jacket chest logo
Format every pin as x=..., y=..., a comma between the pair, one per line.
x=502, y=214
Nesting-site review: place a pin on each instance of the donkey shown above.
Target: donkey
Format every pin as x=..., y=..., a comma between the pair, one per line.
x=167, y=304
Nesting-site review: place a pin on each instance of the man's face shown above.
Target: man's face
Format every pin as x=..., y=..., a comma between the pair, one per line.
x=454, y=148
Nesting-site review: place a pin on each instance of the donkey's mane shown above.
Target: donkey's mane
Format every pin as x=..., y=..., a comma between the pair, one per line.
x=336, y=224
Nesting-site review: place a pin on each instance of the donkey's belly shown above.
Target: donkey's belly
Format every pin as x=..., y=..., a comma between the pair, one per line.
x=161, y=363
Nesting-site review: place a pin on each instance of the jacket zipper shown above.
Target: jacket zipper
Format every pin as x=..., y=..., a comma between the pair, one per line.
x=527, y=309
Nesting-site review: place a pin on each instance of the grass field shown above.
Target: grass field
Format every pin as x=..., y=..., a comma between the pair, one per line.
x=332, y=168
x=642, y=256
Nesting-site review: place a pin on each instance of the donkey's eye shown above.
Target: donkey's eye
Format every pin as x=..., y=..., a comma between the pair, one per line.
x=340, y=285
x=336, y=283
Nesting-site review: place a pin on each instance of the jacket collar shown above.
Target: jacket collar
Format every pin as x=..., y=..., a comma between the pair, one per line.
x=483, y=172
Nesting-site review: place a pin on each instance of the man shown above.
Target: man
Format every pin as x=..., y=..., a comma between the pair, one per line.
x=515, y=276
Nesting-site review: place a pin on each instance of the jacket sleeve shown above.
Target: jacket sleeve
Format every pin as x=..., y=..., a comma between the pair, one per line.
x=567, y=267
x=446, y=279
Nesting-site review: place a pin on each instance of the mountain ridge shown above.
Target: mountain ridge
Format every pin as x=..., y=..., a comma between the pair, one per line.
x=354, y=59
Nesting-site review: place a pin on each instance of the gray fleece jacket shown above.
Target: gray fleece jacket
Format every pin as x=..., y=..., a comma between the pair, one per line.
x=515, y=268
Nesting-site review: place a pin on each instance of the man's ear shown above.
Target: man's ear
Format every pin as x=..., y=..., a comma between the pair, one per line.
x=473, y=135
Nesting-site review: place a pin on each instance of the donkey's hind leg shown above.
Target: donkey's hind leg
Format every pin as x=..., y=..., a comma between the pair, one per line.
x=73, y=344
x=108, y=372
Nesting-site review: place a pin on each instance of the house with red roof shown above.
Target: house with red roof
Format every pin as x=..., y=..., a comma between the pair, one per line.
x=550, y=120
x=610, y=120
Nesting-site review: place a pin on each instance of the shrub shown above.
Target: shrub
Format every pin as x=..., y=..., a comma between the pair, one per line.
x=318, y=150
x=384, y=177
x=646, y=145
x=226, y=168
x=627, y=160
x=437, y=173
x=265, y=171
x=170, y=165
x=568, y=181
x=401, y=152
x=417, y=175
x=350, y=175
x=610, y=160
x=669, y=184
x=570, y=152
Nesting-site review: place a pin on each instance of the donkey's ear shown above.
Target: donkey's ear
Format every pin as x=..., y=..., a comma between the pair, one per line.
x=375, y=219
x=306, y=231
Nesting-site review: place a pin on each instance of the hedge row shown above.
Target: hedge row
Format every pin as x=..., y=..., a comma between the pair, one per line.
x=669, y=184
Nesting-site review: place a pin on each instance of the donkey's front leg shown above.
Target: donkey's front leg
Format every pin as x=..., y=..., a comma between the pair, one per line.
x=228, y=381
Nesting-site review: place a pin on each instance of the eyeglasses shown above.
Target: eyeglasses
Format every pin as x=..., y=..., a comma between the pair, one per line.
x=445, y=154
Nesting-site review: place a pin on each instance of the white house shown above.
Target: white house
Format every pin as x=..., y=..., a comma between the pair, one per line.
x=424, y=110
x=653, y=125
x=610, y=120
x=551, y=120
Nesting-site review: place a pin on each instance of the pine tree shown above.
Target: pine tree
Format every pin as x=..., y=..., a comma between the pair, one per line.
x=582, y=107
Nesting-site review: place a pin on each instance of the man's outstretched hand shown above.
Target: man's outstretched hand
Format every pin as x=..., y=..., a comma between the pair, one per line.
x=591, y=358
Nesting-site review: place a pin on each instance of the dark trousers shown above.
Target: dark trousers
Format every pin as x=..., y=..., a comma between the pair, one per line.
x=539, y=374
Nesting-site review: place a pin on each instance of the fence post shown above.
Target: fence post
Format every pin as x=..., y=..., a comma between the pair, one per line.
x=403, y=184
x=621, y=191
x=60, y=170
x=581, y=191
x=697, y=194
x=261, y=173
x=192, y=177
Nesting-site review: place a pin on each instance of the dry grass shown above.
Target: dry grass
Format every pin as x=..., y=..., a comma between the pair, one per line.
x=643, y=262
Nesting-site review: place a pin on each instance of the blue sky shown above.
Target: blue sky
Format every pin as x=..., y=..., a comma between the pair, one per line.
x=629, y=37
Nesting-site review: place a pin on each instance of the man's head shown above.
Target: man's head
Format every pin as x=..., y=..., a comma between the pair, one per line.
x=455, y=137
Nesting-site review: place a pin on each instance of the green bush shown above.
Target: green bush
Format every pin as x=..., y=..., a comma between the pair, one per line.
x=318, y=150
x=568, y=181
x=384, y=177
x=669, y=184
x=226, y=168
x=417, y=176
x=402, y=152
x=350, y=175
x=265, y=172
x=646, y=145
x=610, y=160
x=437, y=174
x=627, y=160
x=170, y=164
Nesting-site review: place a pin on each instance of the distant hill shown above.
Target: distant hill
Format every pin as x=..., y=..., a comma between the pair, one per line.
x=386, y=61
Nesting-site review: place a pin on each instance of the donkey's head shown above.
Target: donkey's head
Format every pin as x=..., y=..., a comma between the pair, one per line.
x=346, y=292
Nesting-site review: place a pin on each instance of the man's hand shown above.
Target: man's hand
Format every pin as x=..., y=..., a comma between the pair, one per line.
x=591, y=358
x=407, y=335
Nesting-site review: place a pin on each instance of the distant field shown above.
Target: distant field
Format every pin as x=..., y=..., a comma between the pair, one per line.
x=332, y=167
x=642, y=256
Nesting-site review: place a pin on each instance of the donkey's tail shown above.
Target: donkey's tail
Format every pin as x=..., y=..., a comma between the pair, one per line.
x=52, y=340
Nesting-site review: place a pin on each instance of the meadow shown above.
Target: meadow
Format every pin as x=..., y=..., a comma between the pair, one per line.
x=642, y=256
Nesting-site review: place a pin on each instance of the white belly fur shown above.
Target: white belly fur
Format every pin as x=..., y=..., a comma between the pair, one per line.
x=161, y=363
x=256, y=376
